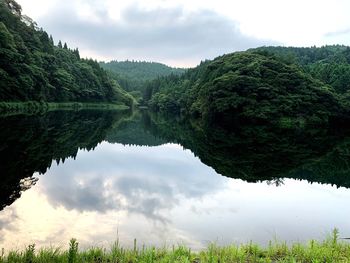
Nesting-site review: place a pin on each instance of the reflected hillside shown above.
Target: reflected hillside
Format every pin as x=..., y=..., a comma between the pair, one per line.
x=29, y=144
x=252, y=153
x=133, y=131
x=334, y=167
x=257, y=153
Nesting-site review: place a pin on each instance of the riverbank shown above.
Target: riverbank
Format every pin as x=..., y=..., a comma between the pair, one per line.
x=33, y=107
x=329, y=250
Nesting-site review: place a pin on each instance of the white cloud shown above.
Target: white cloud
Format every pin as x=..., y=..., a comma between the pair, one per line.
x=233, y=25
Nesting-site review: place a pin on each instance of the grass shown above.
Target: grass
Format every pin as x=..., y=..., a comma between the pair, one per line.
x=329, y=250
x=34, y=107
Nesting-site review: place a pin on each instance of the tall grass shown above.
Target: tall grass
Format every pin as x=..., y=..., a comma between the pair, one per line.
x=330, y=250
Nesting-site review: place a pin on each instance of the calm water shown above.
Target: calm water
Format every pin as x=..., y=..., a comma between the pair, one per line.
x=97, y=176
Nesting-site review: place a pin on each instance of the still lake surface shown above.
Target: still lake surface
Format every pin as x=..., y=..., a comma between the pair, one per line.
x=99, y=176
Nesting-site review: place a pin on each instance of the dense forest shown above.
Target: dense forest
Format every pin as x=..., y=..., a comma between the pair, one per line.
x=131, y=75
x=253, y=86
x=32, y=68
x=330, y=64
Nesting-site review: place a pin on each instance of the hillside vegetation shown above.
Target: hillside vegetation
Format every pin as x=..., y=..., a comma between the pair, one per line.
x=246, y=86
x=32, y=68
x=330, y=64
x=282, y=85
x=133, y=75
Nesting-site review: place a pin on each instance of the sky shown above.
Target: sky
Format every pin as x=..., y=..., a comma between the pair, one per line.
x=183, y=32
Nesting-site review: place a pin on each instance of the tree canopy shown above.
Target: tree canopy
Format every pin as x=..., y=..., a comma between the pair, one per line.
x=133, y=76
x=246, y=86
x=33, y=68
x=330, y=64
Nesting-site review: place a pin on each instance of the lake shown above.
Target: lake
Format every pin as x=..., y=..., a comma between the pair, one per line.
x=99, y=176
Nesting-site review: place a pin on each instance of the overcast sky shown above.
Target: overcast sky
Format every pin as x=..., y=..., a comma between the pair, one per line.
x=184, y=32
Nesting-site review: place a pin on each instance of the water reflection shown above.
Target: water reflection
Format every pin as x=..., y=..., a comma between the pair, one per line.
x=30, y=143
x=260, y=152
x=141, y=183
x=193, y=205
x=135, y=179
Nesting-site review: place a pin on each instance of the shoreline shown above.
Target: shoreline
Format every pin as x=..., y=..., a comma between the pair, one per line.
x=35, y=107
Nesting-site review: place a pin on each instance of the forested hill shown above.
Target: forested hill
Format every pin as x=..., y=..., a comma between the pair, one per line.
x=33, y=68
x=330, y=64
x=132, y=75
x=247, y=86
x=309, y=55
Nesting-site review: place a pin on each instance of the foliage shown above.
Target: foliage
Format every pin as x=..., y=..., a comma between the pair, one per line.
x=330, y=64
x=251, y=86
x=134, y=75
x=329, y=251
x=73, y=251
x=32, y=68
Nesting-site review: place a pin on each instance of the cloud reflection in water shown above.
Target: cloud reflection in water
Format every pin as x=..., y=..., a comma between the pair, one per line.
x=161, y=195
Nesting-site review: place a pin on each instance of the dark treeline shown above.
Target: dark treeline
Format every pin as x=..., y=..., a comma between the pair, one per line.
x=251, y=86
x=33, y=68
x=133, y=76
x=31, y=143
x=261, y=152
x=249, y=152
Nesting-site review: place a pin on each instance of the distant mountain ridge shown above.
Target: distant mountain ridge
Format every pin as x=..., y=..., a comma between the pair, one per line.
x=133, y=75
